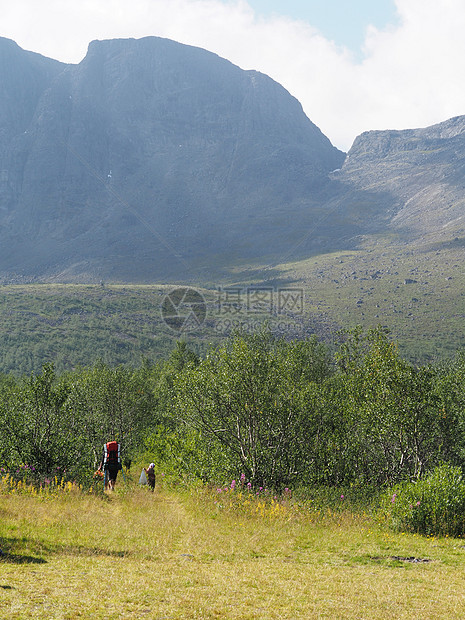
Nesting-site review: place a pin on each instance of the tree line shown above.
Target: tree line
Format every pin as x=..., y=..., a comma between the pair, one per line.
x=284, y=414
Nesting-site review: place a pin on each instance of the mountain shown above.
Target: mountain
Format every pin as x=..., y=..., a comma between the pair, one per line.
x=156, y=162
x=24, y=77
x=412, y=182
x=152, y=160
x=406, y=271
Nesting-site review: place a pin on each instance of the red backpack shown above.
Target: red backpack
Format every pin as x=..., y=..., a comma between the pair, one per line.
x=111, y=454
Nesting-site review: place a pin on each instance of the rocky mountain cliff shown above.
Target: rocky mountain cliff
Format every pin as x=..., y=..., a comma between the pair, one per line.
x=151, y=160
x=416, y=179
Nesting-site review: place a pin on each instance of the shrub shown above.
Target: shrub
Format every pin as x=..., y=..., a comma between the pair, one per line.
x=434, y=505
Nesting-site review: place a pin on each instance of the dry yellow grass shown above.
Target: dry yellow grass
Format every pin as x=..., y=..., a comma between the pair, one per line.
x=179, y=555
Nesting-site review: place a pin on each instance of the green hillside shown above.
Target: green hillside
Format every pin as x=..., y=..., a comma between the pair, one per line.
x=76, y=325
x=73, y=326
x=417, y=292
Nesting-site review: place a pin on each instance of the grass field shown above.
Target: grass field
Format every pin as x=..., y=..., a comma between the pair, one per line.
x=201, y=553
x=418, y=292
x=73, y=325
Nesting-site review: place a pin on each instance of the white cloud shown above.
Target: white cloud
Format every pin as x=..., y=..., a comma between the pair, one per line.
x=414, y=72
x=411, y=74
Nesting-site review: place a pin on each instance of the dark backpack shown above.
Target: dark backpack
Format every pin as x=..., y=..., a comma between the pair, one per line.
x=111, y=455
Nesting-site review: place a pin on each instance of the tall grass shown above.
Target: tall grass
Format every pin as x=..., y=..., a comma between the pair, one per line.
x=197, y=553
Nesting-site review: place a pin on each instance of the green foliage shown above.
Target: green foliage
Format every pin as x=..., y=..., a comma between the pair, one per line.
x=393, y=410
x=76, y=326
x=283, y=414
x=184, y=451
x=252, y=401
x=432, y=506
x=53, y=425
x=35, y=428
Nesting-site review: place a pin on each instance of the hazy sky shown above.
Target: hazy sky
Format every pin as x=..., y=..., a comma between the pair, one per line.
x=343, y=21
x=354, y=65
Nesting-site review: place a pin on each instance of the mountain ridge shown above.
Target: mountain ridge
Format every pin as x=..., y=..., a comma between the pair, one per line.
x=155, y=161
x=149, y=135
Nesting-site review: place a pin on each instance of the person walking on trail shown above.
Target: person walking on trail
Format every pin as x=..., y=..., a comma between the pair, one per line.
x=150, y=473
x=111, y=463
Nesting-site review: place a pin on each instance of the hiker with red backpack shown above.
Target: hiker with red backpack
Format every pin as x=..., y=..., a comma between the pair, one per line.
x=111, y=463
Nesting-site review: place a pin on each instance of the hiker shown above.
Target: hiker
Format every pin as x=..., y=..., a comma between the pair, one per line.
x=150, y=473
x=111, y=463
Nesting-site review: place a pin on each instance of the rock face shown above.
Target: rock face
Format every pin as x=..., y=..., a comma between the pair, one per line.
x=151, y=160
x=412, y=182
x=24, y=77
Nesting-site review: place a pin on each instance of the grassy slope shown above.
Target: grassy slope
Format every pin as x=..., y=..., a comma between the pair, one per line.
x=175, y=555
x=417, y=291
x=72, y=325
x=77, y=325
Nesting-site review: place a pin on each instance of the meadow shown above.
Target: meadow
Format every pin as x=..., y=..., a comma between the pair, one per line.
x=346, y=421
x=418, y=292
x=197, y=552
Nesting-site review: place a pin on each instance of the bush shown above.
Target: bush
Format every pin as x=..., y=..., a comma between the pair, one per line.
x=434, y=505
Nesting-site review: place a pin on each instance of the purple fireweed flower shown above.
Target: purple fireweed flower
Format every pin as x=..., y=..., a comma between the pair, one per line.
x=249, y=485
x=242, y=478
x=219, y=490
x=418, y=503
x=233, y=485
x=394, y=498
x=342, y=496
